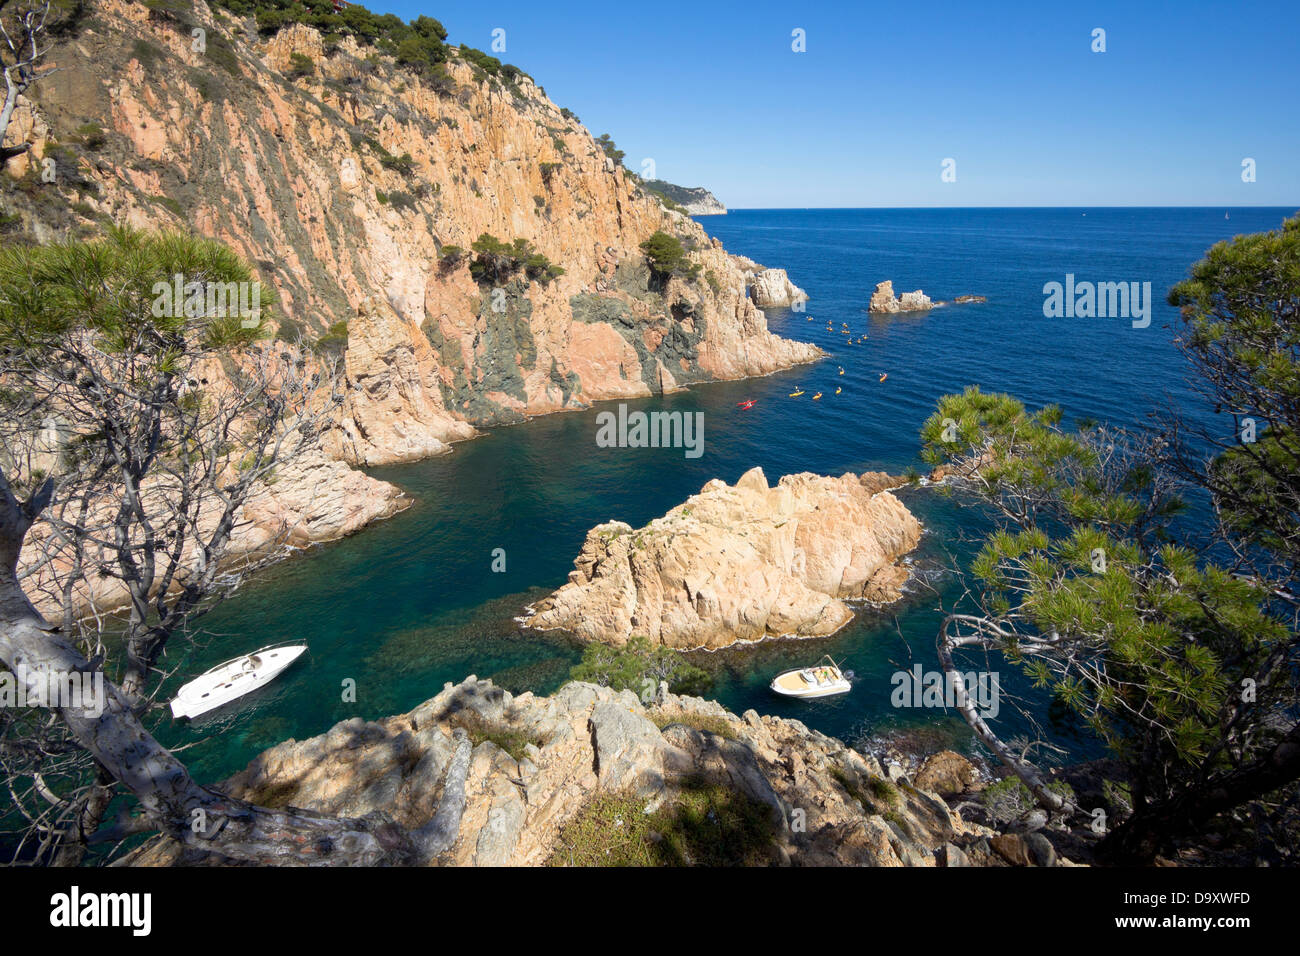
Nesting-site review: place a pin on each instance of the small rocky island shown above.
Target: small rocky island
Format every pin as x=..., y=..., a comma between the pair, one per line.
x=740, y=562
x=885, y=302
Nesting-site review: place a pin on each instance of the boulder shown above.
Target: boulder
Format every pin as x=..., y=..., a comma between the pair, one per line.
x=947, y=773
x=1024, y=849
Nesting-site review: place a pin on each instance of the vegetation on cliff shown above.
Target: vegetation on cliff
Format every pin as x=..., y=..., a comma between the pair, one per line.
x=667, y=257
x=707, y=825
x=496, y=261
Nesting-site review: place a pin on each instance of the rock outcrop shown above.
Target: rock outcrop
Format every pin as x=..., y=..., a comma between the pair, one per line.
x=740, y=562
x=539, y=764
x=883, y=300
x=948, y=773
x=345, y=183
x=772, y=288
x=393, y=407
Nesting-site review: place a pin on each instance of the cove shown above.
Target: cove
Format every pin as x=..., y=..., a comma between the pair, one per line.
x=413, y=602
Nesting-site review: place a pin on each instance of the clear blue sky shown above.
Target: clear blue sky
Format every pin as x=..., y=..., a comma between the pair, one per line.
x=886, y=91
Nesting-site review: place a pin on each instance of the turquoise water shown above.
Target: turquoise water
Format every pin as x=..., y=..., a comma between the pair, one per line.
x=412, y=602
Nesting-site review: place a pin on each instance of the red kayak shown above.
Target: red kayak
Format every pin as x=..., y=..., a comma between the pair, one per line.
x=747, y=403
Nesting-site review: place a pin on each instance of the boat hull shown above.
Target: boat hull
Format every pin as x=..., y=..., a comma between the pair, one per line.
x=233, y=679
x=795, y=684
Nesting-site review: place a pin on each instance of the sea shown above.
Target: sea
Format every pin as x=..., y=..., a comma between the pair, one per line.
x=432, y=595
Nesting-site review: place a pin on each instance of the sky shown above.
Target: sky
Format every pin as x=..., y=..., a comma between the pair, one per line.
x=884, y=93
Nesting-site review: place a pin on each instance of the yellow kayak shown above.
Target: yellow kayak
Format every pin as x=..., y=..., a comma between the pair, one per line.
x=796, y=394
x=817, y=396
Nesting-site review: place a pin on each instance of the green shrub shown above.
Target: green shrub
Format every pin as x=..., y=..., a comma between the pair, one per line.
x=300, y=65
x=639, y=666
x=403, y=164
x=512, y=740
x=147, y=53
x=92, y=136
x=220, y=52
x=667, y=257
x=702, y=825
x=610, y=150
x=496, y=261
x=707, y=723
x=1008, y=799
x=401, y=200
x=170, y=204
x=482, y=63
x=334, y=341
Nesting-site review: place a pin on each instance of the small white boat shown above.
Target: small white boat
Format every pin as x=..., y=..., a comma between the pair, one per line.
x=234, y=678
x=825, y=679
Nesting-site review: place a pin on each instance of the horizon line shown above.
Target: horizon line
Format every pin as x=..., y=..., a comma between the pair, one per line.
x=1158, y=206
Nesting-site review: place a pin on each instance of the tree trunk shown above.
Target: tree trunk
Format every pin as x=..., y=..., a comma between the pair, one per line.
x=1026, y=771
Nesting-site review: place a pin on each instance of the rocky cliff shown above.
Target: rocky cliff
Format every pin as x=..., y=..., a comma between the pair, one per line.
x=740, y=563
x=695, y=201
x=357, y=188
x=590, y=776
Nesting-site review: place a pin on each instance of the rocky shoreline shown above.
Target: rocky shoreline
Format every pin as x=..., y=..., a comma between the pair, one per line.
x=576, y=777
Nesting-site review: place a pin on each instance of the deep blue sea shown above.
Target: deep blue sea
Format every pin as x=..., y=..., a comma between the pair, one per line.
x=412, y=602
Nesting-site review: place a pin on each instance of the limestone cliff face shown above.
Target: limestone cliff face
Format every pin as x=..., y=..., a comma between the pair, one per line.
x=308, y=178
x=740, y=563
x=817, y=802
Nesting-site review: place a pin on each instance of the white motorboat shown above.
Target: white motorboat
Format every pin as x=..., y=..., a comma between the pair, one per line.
x=234, y=678
x=825, y=679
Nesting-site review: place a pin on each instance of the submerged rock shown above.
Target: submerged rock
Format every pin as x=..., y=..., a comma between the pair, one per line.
x=740, y=563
